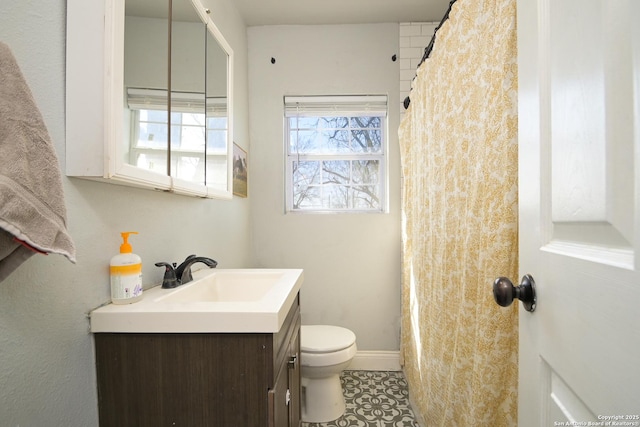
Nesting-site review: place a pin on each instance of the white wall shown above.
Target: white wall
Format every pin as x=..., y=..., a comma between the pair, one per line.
x=414, y=38
x=351, y=261
x=47, y=373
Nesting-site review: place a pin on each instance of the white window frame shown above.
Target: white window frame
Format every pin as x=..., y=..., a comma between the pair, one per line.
x=336, y=106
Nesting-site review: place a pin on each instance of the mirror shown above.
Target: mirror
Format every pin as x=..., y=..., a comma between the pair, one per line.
x=177, y=120
x=188, y=121
x=146, y=78
x=218, y=142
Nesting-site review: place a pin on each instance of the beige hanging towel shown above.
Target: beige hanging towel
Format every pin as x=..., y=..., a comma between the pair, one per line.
x=32, y=210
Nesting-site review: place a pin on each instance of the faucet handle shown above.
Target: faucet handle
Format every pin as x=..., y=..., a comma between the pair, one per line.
x=170, y=280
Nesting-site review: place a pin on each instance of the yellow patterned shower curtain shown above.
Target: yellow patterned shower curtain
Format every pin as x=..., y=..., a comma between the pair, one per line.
x=459, y=163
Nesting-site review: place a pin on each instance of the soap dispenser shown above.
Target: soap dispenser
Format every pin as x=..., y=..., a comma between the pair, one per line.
x=126, y=274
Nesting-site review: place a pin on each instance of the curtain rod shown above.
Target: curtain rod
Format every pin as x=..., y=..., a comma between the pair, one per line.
x=429, y=48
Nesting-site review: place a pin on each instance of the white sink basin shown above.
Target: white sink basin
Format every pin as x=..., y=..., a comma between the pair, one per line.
x=217, y=300
x=226, y=286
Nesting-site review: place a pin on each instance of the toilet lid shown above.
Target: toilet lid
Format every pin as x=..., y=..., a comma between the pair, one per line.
x=325, y=338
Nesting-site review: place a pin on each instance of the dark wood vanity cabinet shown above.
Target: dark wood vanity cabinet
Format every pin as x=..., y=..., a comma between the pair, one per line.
x=200, y=380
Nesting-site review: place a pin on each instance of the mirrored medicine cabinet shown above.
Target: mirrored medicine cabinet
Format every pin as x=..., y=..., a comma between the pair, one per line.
x=161, y=114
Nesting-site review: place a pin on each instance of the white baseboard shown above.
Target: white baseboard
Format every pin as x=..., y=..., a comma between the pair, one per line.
x=376, y=361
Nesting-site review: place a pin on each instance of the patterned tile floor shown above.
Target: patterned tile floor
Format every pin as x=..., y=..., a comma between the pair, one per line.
x=373, y=399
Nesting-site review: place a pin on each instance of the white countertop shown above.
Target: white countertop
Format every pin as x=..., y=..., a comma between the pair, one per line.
x=161, y=310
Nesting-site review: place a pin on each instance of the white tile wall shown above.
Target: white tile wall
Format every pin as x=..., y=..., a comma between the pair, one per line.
x=414, y=37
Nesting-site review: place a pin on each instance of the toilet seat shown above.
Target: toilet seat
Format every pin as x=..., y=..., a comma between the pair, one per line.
x=324, y=345
x=325, y=338
x=328, y=359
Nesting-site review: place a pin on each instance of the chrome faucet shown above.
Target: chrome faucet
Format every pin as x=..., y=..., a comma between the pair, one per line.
x=176, y=276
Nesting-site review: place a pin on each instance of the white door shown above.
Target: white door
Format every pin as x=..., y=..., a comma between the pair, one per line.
x=579, y=177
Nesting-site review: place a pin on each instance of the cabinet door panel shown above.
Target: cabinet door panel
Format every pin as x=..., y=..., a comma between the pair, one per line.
x=278, y=405
x=294, y=377
x=149, y=380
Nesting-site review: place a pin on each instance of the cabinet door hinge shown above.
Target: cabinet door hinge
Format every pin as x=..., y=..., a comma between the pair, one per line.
x=288, y=396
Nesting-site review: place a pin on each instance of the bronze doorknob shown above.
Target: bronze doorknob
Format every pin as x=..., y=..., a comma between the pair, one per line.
x=504, y=292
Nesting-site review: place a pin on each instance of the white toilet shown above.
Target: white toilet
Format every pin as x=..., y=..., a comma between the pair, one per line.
x=325, y=351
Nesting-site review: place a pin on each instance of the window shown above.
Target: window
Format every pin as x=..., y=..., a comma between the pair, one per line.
x=335, y=153
x=189, y=126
